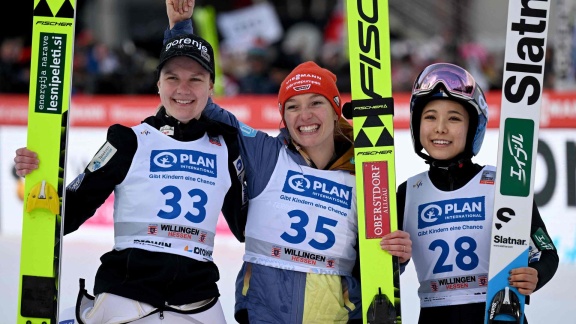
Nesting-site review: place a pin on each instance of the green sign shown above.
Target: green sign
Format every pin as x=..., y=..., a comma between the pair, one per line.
x=517, y=157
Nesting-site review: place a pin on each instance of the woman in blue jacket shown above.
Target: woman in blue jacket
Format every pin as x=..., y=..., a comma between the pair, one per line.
x=300, y=262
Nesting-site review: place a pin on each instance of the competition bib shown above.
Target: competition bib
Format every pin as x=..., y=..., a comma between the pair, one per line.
x=171, y=197
x=450, y=232
x=304, y=220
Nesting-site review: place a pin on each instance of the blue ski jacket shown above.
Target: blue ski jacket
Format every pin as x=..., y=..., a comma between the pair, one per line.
x=272, y=295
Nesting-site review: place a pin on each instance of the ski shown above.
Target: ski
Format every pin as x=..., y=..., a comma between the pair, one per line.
x=372, y=110
x=49, y=101
x=524, y=59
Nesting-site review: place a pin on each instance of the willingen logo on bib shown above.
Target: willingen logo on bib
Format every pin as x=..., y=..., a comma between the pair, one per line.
x=319, y=188
x=451, y=211
x=183, y=160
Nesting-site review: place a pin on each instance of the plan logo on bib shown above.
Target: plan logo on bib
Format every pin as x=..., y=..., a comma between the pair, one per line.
x=319, y=188
x=451, y=211
x=183, y=160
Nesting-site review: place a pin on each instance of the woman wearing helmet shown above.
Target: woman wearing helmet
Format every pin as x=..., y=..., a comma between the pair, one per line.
x=448, y=209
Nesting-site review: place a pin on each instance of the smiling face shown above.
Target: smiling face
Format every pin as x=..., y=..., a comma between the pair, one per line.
x=184, y=87
x=310, y=119
x=443, y=128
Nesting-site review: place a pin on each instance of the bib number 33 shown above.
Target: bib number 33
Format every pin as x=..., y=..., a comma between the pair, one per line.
x=174, y=195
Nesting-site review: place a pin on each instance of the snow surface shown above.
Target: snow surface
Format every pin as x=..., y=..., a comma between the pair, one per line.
x=82, y=250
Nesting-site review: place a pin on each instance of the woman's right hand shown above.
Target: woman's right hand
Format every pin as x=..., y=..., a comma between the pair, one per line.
x=26, y=161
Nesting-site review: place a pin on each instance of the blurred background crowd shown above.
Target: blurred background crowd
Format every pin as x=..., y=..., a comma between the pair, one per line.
x=117, y=42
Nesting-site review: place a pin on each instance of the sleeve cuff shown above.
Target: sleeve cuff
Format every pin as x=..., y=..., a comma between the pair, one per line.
x=180, y=28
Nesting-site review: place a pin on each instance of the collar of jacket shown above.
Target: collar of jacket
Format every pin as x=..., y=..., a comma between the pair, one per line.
x=454, y=176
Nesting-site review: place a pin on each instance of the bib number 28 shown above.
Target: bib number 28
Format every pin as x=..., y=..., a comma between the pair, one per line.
x=466, y=259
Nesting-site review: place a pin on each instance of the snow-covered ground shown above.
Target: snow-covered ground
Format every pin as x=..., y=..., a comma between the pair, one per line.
x=82, y=250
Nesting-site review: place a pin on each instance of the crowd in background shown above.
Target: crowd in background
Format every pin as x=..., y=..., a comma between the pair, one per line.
x=315, y=33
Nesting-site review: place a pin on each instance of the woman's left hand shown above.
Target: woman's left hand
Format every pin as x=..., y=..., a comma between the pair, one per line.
x=179, y=10
x=398, y=243
x=524, y=279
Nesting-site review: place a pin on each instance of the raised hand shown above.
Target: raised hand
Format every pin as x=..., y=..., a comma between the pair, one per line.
x=179, y=10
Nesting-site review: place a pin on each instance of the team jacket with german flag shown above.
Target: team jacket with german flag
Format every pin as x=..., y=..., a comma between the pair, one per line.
x=156, y=278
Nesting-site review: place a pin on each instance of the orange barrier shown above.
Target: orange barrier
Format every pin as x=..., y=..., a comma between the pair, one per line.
x=260, y=112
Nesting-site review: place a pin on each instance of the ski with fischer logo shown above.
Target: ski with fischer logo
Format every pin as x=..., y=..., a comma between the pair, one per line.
x=525, y=54
x=372, y=111
x=49, y=102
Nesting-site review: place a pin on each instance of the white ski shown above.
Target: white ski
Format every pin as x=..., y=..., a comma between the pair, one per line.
x=527, y=30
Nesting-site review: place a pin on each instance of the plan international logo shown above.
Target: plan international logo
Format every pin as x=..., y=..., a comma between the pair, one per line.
x=451, y=211
x=322, y=189
x=183, y=160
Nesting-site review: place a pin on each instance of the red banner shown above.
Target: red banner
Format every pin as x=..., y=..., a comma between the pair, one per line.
x=376, y=201
x=260, y=112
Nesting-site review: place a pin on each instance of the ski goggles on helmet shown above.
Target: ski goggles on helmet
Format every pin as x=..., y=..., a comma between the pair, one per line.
x=456, y=81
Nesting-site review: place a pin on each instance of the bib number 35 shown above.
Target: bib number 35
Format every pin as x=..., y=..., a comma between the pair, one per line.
x=322, y=226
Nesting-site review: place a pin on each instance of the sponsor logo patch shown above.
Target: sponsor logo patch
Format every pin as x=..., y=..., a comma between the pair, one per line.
x=214, y=140
x=247, y=130
x=167, y=130
x=302, y=87
x=488, y=177
x=102, y=157
x=74, y=185
x=542, y=240
x=239, y=165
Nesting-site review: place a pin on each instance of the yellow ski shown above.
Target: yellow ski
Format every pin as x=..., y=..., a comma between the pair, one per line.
x=372, y=111
x=49, y=101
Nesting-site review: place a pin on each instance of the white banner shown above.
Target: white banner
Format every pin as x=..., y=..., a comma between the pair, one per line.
x=242, y=27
